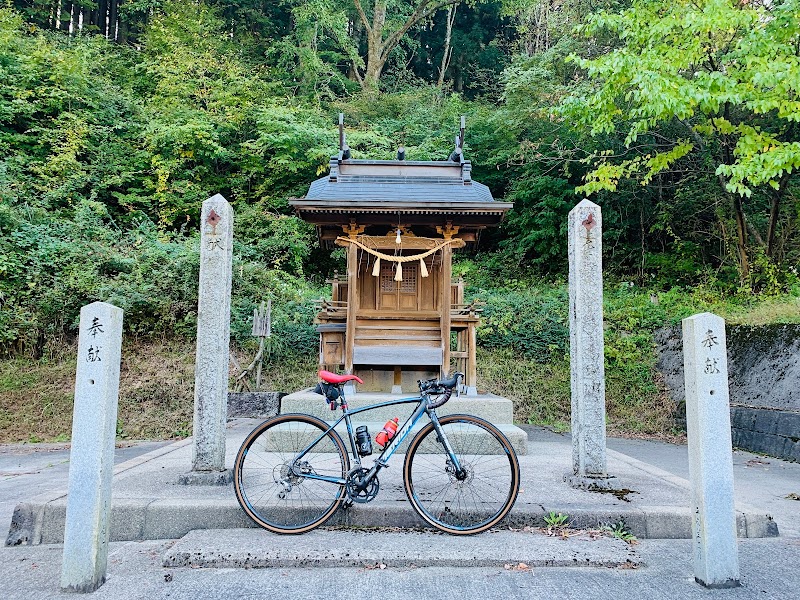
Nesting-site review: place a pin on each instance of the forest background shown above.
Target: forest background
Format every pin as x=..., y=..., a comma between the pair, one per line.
x=119, y=117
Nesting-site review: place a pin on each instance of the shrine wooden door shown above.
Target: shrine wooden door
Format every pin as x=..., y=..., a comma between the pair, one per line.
x=399, y=295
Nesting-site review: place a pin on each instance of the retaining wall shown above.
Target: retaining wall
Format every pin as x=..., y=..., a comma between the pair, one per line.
x=764, y=380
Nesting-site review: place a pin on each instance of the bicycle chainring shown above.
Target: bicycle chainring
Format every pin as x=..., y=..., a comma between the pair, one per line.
x=354, y=490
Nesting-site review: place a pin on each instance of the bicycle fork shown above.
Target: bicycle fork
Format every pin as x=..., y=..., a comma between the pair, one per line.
x=452, y=461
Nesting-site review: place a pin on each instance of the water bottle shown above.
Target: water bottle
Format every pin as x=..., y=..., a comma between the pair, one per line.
x=387, y=433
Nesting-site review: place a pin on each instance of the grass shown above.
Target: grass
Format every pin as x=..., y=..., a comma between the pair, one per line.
x=540, y=391
x=157, y=376
x=155, y=399
x=156, y=395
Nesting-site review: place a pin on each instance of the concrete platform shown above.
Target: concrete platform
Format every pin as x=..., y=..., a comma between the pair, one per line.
x=148, y=503
x=245, y=548
x=495, y=409
x=515, y=435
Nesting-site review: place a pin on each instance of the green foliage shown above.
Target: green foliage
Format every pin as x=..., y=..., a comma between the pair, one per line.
x=537, y=228
x=621, y=531
x=554, y=520
x=707, y=89
x=721, y=62
x=533, y=322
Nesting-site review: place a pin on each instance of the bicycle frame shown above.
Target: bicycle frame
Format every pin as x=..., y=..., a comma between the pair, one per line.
x=382, y=460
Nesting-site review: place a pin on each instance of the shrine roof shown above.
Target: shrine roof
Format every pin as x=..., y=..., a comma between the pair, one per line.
x=398, y=183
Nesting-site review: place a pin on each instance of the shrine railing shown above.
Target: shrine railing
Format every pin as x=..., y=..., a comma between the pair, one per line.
x=335, y=310
x=473, y=309
x=331, y=309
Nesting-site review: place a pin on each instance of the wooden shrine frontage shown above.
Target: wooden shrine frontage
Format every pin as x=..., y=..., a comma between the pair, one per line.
x=390, y=319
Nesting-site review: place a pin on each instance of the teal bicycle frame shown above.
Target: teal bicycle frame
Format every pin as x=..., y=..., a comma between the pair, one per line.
x=383, y=459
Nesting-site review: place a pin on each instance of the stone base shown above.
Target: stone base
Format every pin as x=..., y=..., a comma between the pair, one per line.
x=86, y=588
x=592, y=483
x=254, y=405
x=206, y=478
x=725, y=585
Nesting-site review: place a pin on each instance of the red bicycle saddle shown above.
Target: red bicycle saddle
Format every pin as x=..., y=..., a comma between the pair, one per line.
x=329, y=377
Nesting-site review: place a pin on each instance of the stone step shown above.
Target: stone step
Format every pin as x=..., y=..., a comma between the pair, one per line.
x=496, y=410
x=245, y=548
x=284, y=433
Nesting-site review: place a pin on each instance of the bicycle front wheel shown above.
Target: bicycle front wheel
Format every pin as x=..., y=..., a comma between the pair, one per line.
x=469, y=500
x=277, y=468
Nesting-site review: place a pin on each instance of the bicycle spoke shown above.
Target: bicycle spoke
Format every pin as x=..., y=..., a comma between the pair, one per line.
x=469, y=500
x=271, y=477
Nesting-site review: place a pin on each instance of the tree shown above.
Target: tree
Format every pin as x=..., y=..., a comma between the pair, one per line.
x=385, y=24
x=727, y=73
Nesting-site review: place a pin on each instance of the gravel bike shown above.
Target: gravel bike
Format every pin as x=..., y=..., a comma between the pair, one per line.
x=293, y=471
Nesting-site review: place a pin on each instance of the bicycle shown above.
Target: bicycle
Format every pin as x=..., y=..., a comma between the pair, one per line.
x=461, y=474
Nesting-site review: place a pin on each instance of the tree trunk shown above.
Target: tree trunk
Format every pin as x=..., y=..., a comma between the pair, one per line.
x=102, y=8
x=122, y=38
x=112, y=19
x=379, y=47
x=64, y=15
x=451, y=17
x=741, y=239
x=375, y=48
x=774, y=214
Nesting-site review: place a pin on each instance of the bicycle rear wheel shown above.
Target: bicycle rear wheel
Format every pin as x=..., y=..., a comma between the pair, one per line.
x=272, y=481
x=477, y=497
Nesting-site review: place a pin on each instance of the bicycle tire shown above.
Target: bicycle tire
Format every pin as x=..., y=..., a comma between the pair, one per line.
x=488, y=488
x=270, y=494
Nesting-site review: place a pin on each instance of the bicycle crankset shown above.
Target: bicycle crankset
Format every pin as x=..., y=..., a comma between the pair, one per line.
x=359, y=490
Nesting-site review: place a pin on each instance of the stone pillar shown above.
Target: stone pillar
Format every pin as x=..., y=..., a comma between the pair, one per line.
x=94, y=428
x=708, y=426
x=586, y=345
x=213, y=341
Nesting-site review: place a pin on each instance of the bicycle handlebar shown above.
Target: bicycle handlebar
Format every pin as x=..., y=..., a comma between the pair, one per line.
x=444, y=387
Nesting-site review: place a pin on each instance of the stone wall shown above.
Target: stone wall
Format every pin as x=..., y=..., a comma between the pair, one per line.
x=254, y=405
x=764, y=379
x=772, y=432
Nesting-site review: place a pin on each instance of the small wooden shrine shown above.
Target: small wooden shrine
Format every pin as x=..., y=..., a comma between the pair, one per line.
x=398, y=316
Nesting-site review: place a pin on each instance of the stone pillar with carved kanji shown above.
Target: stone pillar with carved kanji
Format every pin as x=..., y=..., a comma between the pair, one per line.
x=586, y=346
x=213, y=339
x=708, y=432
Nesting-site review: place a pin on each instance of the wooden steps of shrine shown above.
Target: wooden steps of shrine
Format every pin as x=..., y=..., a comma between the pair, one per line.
x=421, y=338
x=404, y=327
x=397, y=341
x=408, y=354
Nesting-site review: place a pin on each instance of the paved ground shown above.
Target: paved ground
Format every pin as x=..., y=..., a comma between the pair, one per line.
x=148, y=502
x=28, y=470
x=662, y=567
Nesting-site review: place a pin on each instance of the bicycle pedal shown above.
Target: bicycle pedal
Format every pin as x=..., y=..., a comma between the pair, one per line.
x=347, y=504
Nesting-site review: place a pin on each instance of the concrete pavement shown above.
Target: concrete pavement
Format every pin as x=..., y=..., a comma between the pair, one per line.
x=148, y=502
x=29, y=470
x=768, y=570
x=653, y=569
